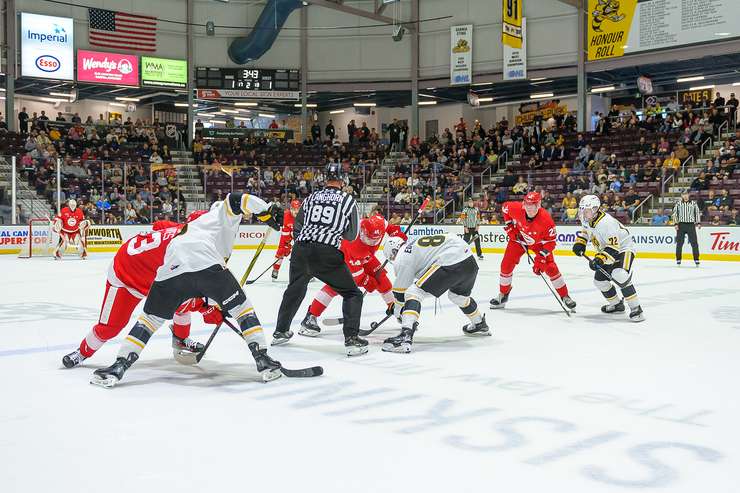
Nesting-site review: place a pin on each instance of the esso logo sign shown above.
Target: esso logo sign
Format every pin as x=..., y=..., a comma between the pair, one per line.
x=48, y=63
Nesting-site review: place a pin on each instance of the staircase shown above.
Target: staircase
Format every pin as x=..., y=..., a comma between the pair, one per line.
x=372, y=194
x=32, y=204
x=189, y=177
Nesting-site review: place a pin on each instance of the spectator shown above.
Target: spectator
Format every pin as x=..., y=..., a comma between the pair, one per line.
x=699, y=183
x=23, y=120
x=715, y=221
x=660, y=218
x=330, y=131
x=521, y=186
x=273, y=125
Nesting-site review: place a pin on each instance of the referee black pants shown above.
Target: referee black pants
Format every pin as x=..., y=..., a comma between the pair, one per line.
x=690, y=230
x=326, y=263
x=469, y=234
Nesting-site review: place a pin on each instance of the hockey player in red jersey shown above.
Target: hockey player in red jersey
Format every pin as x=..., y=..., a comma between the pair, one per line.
x=286, y=237
x=529, y=226
x=367, y=271
x=130, y=276
x=71, y=226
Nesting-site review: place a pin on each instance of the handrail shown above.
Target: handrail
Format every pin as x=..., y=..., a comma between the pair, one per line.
x=639, y=207
x=708, y=139
x=725, y=123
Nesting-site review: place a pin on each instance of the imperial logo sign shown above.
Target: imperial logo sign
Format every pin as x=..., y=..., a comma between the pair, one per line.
x=47, y=46
x=107, y=68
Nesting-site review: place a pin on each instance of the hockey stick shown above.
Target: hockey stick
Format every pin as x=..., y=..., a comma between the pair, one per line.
x=531, y=261
x=313, y=371
x=262, y=274
x=260, y=247
x=608, y=276
x=329, y=322
x=375, y=325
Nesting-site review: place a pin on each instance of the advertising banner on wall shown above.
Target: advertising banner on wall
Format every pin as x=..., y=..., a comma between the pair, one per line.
x=461, y=55
x=515, y=59
x=107, y=68
x=163, y=72
x=511, y=28
x=242, y=93
x=619, y=27
x=47, y=46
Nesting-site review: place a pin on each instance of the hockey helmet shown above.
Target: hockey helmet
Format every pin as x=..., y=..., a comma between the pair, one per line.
x=372, y=230
x=532, y=203
x=72, y=204
x=195, y=215
x=588, y=208
x=391, y=247
x=295, y=204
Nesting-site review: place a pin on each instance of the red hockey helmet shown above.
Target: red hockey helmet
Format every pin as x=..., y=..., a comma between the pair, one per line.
x=295, y=204
x=532, y=203
x=372, y=230
x=195, y=215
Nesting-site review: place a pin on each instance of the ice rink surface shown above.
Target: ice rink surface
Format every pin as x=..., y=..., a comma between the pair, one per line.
x=589, y=404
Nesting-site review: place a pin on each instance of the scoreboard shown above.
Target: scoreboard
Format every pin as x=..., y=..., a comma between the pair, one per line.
x=248, y=79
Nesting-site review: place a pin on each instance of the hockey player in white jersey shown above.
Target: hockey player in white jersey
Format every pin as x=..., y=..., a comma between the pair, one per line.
x=195, y=267
x=431, y=266
x=614, y=258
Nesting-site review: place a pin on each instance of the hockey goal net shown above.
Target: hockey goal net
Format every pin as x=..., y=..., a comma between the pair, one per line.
x=40, y=239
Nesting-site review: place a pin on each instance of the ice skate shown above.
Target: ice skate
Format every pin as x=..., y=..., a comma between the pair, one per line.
x=109, y=377
x=569, y=303
x=267, y=367
x=73, y=359
x=616, y=308
x=400, y=343
x=281, y=337
x=499, y=301
x=479, y=329
x=636, y=314
x=186, y=350
x=275, y=275
x=309, y=326
x=355, y=346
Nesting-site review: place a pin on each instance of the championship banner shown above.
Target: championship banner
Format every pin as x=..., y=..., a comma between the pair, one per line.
x=461, y=55
x=511, y=27
x=242, y=93
x=515, y=59
x=618, y=27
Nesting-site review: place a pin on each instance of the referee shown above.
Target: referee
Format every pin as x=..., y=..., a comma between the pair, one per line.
x=470, y=217
x=325, y=218
x=686, y=217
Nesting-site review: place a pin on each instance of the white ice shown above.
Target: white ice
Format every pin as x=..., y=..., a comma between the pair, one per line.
x=589, y=404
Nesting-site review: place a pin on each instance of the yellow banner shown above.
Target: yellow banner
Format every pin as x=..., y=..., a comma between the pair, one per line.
x=511, y=31
x=609, y=27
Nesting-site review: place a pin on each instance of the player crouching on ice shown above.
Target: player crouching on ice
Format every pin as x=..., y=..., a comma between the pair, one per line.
x=71, y=226
x=614, y=258
x=529, y=226
x=438, y=264
x=359, y=255
x=286, y=237
x=195, y=267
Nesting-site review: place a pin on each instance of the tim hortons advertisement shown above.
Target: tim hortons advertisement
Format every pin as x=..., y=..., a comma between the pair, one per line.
x=715, y=243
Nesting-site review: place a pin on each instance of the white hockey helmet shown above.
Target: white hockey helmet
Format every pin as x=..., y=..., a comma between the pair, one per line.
x=391, y=246
x=72, y=204
x=588, y=208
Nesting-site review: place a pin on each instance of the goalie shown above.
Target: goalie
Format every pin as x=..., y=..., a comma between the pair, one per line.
x=71, y=226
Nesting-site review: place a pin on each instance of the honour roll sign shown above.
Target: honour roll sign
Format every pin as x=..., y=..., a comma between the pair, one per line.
x=107, y=68
x=461, y=55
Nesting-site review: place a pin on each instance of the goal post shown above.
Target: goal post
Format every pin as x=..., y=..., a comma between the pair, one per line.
x=40, y=239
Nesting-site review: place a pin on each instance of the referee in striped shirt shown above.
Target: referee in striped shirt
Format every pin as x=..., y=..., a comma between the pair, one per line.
x=470, y=217
x=686, y=217
x=325, y=218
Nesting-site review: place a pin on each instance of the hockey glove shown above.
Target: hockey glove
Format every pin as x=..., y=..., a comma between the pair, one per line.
x=368, y=283
x=273, y=217
x=511, y=231
x=579, y=249
x=597, y=262
x=540, y=262
x=212, y=315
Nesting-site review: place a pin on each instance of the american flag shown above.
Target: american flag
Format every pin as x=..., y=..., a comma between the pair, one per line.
x=122, y=31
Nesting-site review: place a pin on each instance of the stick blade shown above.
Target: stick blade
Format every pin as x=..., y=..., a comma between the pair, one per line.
x=314, y=371
x=331, y=322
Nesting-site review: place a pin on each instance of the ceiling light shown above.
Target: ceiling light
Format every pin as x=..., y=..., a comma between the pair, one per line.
x=431, y=88
x=62, y=94
x=427, y=96
x=485, y=100
x=336, y=112
x=185, y=105
x=241, y=118
x=541, y=95
x=542, y=81
x=200, y=115
x=533, y=79
x=369, y=105
x=701, y=88
x=229, y=111
x=2, y=89
x=55, y=100
x=426, y=103
x=218, y=121
x=602, y=89
x=266, y=115
x=690, y=79
x=134, y=100
x=722, y=34
x=483, y=84
x=123, y=105
x=246, y=104
x=736, y=83
x=308, y=105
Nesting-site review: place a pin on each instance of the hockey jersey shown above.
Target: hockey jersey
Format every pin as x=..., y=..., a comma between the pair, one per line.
x=606, y=233
x=360, y=257
x=209, y=240
x=71, y=219
x=418, y=256
x=538, y=233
